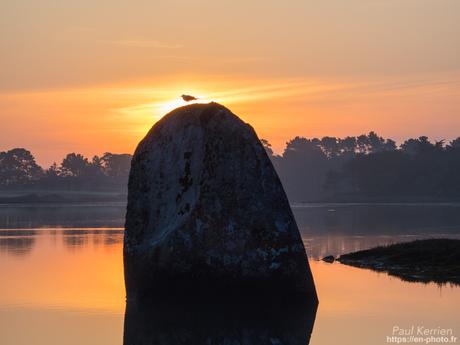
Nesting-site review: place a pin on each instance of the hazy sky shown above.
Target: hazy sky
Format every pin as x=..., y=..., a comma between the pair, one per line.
x=93, y=76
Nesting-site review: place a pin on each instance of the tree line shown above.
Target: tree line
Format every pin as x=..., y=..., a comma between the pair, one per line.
x=19, y=170
x=368, y=168
x=353, y=169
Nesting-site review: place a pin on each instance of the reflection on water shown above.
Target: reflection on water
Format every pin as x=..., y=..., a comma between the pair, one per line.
x=330, y=229
x=75, y=242
x=21, y=245
x=320, y=246
x=21, y=242
x=218, y=322
x=62, y=283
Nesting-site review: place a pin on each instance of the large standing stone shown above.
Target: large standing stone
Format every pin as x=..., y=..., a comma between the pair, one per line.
x=207, y=213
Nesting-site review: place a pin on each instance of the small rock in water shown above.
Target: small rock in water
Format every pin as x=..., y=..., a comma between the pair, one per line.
x=329, y=259
x=207, y=213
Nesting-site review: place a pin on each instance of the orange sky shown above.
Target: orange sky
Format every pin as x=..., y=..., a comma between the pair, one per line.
x=93, y=76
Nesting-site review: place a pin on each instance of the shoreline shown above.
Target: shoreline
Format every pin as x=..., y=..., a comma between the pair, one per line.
x=16, y=197
x=64, y=197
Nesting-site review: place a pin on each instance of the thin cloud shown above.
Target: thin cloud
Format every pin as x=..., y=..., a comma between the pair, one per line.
x=256, y=92
x=295, y=90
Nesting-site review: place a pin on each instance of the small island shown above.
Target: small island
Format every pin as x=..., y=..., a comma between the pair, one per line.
x=432, y=260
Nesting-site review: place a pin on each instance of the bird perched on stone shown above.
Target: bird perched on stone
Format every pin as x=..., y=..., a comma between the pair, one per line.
x=188, y=98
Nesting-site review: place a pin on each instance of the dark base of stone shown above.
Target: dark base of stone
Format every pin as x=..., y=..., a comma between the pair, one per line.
x=218, y=321
x=145, y=284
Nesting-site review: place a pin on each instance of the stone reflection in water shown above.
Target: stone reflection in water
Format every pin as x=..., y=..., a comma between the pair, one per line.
x=218, y=322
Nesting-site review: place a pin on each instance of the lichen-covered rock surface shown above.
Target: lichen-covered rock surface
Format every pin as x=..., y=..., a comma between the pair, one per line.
x=207, y=213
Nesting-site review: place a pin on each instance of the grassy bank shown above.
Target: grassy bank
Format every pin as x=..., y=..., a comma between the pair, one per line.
x=433, y=260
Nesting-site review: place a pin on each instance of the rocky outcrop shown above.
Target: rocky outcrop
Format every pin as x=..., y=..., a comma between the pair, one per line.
x=207, y=213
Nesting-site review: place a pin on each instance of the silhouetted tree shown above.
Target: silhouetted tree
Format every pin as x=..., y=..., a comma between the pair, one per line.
x=455, y=144
x=302, y=168
x=420, y=146
x=267, y=146
x=362, y=144
x=116, y=165
x=330, y=146
x=18, y=167
x=52, y=171
x=390, y=145
x=51, y=178
x=348, y=146
x=74, y=164
x=375, y=143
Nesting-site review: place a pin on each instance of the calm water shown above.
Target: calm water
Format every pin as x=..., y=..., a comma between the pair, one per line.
x=62, y=278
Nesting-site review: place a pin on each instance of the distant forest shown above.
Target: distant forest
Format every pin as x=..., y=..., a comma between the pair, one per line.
x=365, y=168
x=109, y=172
x=368, y=168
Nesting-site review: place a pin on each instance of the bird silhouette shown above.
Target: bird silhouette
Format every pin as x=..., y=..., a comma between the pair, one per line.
x=188, y=98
